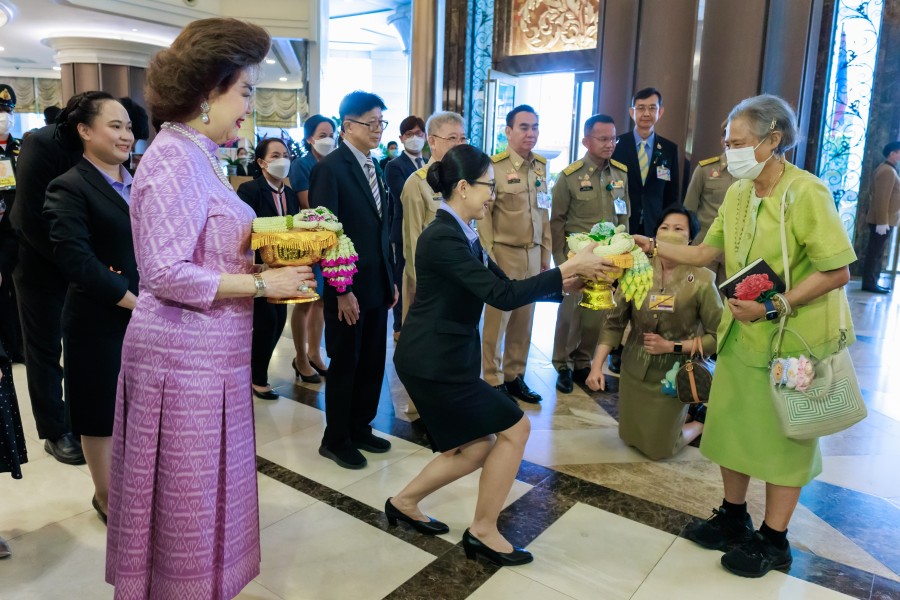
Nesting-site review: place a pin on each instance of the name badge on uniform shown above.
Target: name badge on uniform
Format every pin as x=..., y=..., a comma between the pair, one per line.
x=662, y=302
x=621, y=207
x=512, y=177
x=714, y=173
x=584, y=184
x=663, y=173
x=7, y=175
x=544, y=200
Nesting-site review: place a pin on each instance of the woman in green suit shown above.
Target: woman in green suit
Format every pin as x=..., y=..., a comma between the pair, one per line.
x=682, y=306
x=742, y=432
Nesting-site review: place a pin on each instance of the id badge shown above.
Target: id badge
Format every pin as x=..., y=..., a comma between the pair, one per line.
x=544, y=200
x=621, y=207
x=663, y=173
x=662, y=302
x=7, y=175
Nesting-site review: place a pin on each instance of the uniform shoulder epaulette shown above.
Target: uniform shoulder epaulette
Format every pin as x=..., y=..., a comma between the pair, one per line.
x=498, y=157
x=422, y=173
x=620, y=166
x=540, y=159
x=573, y=167
x=709, y=161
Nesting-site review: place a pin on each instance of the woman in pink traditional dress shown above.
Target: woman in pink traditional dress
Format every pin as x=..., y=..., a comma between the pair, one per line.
x=183, y=510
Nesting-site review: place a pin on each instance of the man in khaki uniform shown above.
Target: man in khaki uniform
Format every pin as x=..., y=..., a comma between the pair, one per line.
x=588, y=191
x=705, y=195
x=516, y=234
x=884, y=213
x=420, y=202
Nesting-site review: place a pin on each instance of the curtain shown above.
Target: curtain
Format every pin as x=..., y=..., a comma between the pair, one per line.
x=276, y=108
x=24, y=88
x=49, y=93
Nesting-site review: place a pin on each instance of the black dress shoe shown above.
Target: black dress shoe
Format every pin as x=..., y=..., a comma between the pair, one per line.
x=100, y=512
x=615, y=363
x=877, y=289
x=267, y=395
x=502, y=388
x=314, y=378
x=518, y=389
x=65, y=449
x=323, y=371
x=473, y=547
x=347, y=456
x=564, y=381
x=371, y=443
x=429, y=527
x=580, y=376
x=5, y=552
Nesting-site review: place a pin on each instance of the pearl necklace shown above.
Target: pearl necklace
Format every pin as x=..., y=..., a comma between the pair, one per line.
x=212, y=159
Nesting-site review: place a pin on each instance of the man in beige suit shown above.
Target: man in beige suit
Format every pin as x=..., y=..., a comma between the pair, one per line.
x=588, y=191
x=516, y=234
x=884, y=213
x=445, y=130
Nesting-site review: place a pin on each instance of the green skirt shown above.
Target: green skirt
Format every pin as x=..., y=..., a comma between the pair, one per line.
x=742, y=432
x=649, y=420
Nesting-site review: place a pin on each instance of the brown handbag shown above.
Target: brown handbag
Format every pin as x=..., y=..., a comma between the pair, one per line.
x=694, y=379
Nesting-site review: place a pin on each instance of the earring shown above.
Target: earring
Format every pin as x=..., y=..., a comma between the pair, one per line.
x=204, y=112
x=464, y=196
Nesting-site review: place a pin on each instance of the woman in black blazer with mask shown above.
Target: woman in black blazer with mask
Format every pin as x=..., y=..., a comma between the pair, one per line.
x=87, y=209
x=268, y=196
x=438, y=357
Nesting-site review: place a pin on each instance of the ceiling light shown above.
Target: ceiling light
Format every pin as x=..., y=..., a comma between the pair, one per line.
x=57, y=68
x=270, y=61
x=134, y=29
x=2, y=48
x=282, y=79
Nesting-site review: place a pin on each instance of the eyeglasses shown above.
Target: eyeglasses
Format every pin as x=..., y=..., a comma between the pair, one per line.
x=605, y=140
x=643, y=108
x=490, y=184
x=372, y=125
x=453, y=139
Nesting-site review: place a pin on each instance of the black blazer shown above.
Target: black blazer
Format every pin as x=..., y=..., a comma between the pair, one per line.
x=339, y=183
x=440, y=338
x=258, y=194
x=648, y=200
x=396, y=173
x=90, y=233
x=8, y=243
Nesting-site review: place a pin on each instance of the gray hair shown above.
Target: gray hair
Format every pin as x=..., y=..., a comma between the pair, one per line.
x=442, y=118
x=767, y=113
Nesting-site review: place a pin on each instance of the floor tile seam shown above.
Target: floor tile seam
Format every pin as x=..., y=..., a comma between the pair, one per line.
x=653, y=568
x=262, y=585
x=294, y=513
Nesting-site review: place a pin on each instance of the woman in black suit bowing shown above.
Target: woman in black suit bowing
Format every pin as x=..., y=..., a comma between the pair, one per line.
x=438, y=357
x=268, y=196
x=90, y=232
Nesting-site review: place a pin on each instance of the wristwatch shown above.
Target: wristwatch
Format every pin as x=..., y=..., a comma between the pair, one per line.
x=771, y=311
x=678, y=348
x=260, y=285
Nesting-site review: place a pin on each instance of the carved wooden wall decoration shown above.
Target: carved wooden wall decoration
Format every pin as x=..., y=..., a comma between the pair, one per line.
x=541, y=26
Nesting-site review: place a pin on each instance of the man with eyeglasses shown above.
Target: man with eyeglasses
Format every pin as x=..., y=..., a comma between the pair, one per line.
x=516, y=234
x=349, y=183
x=588, y=191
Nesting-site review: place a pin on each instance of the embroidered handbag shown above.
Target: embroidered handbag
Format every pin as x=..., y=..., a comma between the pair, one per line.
x=832, y=400
x=694, y=379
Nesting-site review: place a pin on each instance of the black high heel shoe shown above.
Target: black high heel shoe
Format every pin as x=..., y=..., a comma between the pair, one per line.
x=323, y=371
x=100, y=512
x=473, y=547
x=266, y=395
x=314, y=378
x=430, y=527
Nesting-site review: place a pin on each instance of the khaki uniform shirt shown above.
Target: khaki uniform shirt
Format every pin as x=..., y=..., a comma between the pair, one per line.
x=420, y=204
x=706, y=192
x=514, y=218
x=885, y=206
x=584, y=195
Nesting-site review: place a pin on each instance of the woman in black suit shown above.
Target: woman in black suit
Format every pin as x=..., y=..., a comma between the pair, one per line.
x=90, y=231
x=269, y=197
x=438, y=357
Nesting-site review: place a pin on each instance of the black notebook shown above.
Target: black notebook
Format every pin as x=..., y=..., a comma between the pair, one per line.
x=757, y=267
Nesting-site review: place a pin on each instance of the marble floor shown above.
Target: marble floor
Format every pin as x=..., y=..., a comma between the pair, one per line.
x=601, y=519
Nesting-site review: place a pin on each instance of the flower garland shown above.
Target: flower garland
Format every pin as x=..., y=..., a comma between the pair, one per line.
x=340, y=258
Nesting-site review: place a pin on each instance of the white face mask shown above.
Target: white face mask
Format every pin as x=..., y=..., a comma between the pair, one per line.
x=279, y=167
x=414, y=144
x=324, y=145
x=742, y=161
x=7, y=120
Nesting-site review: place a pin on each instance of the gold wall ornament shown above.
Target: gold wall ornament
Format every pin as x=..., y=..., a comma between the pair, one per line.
x=542, y=26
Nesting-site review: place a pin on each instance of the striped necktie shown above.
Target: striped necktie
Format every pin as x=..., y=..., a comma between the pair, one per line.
x=373, y=183
x=643, y=161
x=419, y=162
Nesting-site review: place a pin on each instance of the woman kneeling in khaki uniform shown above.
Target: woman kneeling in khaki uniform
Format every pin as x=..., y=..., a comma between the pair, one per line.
x=682, y=305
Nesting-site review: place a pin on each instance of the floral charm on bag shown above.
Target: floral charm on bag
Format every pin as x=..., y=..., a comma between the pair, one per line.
x=792, y=373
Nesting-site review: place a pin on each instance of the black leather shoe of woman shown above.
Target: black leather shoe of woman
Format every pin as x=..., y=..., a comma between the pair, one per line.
x=429, y=527
x=473, y=547
x=314, y=378
x=266, y=394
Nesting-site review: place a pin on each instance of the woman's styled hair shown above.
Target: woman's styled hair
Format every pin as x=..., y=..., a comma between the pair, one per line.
x=81, y=108
x=207, y=56
x=766, y=114
x=677, y=209
x=310, y=126
x=462, y=163
x=262, y=148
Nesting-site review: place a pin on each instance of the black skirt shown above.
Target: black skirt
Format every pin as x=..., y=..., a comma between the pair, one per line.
x=12, y=438
x=458, y=413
